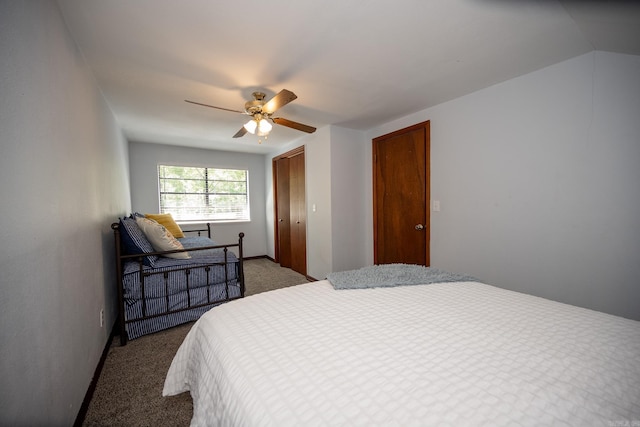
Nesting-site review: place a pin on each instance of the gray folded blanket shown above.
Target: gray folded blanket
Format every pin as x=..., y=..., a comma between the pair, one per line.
x=388, y=275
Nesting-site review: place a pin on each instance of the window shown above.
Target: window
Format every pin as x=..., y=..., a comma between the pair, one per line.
x=201, y=193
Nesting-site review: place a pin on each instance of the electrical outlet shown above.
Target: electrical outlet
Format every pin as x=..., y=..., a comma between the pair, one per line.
x=102, y=318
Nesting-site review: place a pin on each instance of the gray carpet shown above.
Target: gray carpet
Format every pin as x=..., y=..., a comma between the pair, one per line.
x=129, y=390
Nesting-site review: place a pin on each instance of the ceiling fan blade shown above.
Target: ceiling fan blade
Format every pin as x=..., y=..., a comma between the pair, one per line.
x=240, y=133
x=218, y=108
x=294, y=125
x=281, y=99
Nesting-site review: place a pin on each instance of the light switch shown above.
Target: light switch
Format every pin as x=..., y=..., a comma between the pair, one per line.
x=436, y=205
x=313, y=207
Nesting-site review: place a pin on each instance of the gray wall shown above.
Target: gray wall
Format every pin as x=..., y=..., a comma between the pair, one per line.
x=318, y=192
x=537, y=180
x=349, y=169
x=63, y=180
x=317, y=158
x=538, y=183
x=144, y=160
x=335, y=166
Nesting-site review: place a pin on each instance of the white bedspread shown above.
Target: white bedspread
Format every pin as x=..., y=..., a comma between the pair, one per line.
x=451, y=354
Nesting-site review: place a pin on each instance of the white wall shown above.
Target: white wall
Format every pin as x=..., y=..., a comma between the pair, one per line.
x=349, y=168
x=63, y=178
x=538, y=183
x=317, y=191
x=335, y=169
x=144, y=161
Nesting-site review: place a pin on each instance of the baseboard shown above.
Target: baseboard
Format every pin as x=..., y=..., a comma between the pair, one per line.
x=247, y=258
x=84, y=408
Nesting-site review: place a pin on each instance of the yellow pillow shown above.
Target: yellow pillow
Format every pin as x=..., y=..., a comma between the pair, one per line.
x=168, y=222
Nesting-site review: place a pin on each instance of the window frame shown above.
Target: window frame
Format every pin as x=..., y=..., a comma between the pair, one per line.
x=207, y=171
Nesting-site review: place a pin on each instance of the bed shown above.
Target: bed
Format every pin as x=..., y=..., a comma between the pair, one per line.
x=161, y=286
x=450, y=353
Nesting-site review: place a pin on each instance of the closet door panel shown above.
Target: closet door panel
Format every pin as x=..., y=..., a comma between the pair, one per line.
x=284, y=212
x=298, y=214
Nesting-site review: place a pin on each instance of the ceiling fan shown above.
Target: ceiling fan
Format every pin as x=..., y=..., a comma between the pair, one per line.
x=261, y=112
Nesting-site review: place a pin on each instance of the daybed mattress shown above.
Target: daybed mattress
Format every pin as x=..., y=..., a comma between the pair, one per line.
x=458, y=354
x=166, y=290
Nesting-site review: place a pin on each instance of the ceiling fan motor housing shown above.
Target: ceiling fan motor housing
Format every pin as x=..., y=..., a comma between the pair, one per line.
x=255, y=106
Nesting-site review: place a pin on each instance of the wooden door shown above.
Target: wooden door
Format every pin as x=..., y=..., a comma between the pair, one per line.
x=401, y=196
x=283, y=217
x=298, y=214
x=290, y=210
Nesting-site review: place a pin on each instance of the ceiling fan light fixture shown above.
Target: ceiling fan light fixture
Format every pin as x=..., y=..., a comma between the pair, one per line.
x=264, y=127
x=258, y=125
x=251, y=126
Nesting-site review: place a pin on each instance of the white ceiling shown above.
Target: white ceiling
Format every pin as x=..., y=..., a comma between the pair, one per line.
x=355, y=64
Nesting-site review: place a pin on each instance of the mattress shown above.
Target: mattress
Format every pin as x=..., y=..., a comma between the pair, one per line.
x=165, y=287
x=445, y=354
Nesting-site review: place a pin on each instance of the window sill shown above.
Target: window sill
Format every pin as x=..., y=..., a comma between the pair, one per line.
x=212, y=222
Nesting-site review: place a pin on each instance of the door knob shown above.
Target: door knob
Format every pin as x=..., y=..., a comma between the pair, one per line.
x=419, y=227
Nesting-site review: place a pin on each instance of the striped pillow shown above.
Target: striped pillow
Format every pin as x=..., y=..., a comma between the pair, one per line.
x=135, y=242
